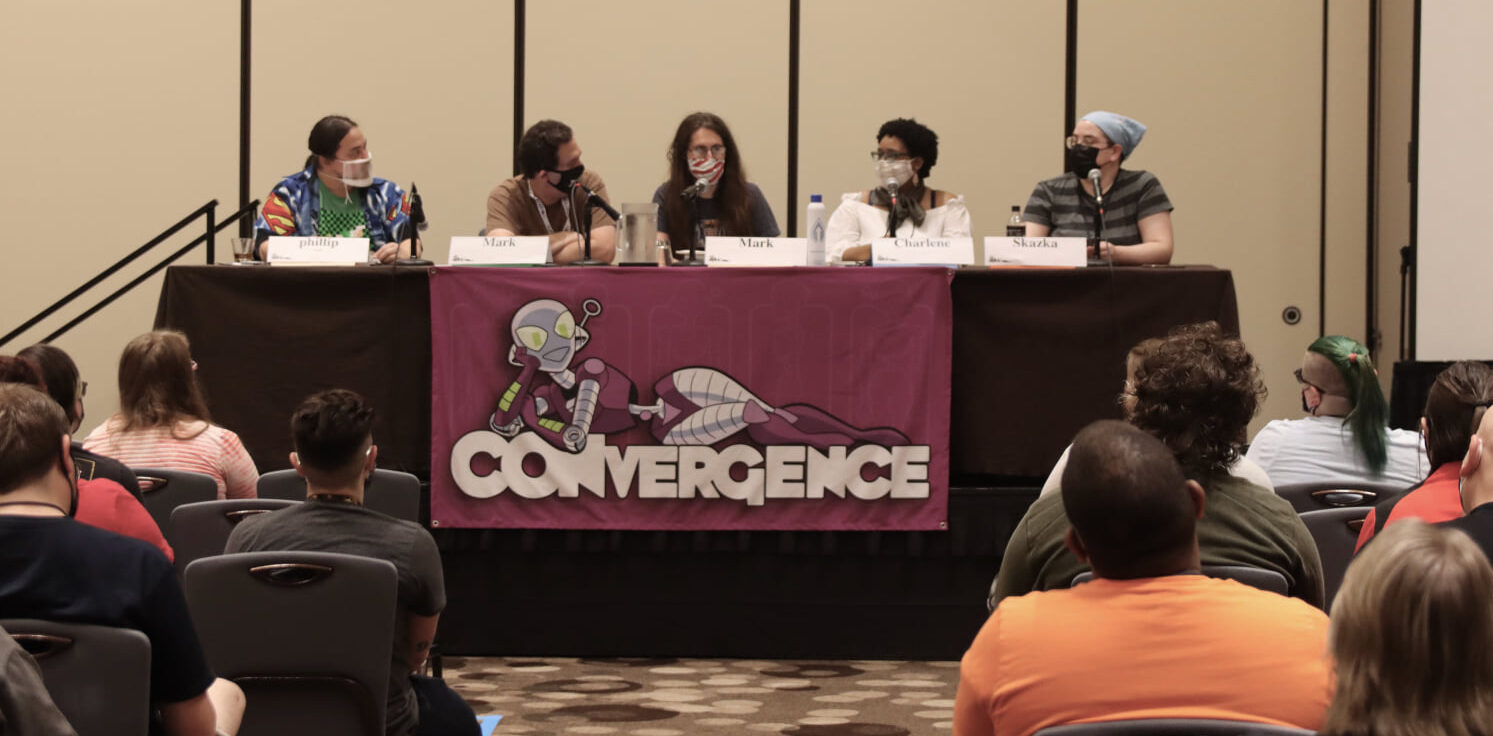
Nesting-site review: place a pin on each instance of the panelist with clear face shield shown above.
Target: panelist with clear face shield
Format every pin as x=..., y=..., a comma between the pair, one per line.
x=337, y=196
x=901, y=205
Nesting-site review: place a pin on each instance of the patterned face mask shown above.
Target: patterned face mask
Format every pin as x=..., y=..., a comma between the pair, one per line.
x=710, y=169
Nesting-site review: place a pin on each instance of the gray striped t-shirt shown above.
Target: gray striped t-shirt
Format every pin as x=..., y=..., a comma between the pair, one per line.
x=1063, y=205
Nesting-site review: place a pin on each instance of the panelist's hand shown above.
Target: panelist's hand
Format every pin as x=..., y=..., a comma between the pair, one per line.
x=1105, y=250
x=387, y=253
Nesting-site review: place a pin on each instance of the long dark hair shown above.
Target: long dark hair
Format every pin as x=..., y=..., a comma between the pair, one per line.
x=326, y=137
x=730, y=193
x=1454, y=408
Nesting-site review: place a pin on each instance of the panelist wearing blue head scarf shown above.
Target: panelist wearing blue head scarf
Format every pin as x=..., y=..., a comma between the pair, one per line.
x=1137, y=214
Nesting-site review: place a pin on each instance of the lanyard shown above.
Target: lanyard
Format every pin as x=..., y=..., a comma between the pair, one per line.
x=544, y=216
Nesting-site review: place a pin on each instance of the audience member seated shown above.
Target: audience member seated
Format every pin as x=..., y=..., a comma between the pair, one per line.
x=1149, y=637
x=334, y=452
x=163, y=421
x=546, y=198
x=26, y=708
x=1242, y=467
x=67, y=387
x=1346, y=439
x=704, y=151
x=336, y=195
x=1137, y=213
x=1196, y=392
x=54, y=568
x=1411, y=629
x=906, y=151
x=1454, y=406
x=1477, y=485
x=101, y=501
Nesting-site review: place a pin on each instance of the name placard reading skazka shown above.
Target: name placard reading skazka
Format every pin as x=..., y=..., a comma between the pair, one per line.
x=516, y=250
x=748, y=251
x=923, y=251
x=1026, y=251
x=339, y=251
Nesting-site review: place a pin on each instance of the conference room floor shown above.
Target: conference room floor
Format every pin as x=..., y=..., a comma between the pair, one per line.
x=552, y=696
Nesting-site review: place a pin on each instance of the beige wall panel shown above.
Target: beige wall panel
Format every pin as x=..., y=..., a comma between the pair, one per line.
x=600, y=67
x=120, y=118
x=1396, y=43
x=1232, y=95
x=431, y=85
x=1347, y=167
x=986, y=76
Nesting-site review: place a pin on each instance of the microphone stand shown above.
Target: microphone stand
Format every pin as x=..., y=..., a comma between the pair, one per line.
x=417, y=219
x=585, y=223
x=1099, y=223
x=696, y=233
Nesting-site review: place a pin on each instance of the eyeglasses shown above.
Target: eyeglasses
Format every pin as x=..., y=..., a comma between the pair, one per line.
x=1088, y=140
x=715, y=151
x=889, y=156
x=82, y=389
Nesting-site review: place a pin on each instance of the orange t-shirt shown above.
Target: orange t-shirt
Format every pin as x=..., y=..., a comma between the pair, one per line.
x=1181, y=646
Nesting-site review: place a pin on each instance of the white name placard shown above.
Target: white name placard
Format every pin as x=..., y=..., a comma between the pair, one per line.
x=923, y=251
x=748, y=251
x=517, y=250
x=316, y=250
x=1050, y=252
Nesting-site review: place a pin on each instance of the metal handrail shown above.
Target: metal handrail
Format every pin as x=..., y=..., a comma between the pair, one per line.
x=207, y=211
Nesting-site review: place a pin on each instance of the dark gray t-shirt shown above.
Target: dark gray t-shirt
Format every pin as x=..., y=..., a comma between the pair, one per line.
x=1063, y=205
x=322, y=526
x=764, y=225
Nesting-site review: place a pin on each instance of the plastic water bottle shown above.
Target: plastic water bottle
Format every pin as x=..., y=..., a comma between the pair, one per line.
x=1015, y=228
x=814, y=226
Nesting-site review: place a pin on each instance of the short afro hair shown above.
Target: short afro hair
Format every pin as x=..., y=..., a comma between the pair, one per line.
x=920, y=141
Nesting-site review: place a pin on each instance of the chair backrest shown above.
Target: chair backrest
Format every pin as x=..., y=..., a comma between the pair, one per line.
x=98, y=676
x=389, y=492
x=309, y=636
x=1330, y=495
x=201, y=529
x=1336, y=533
x=163, y=489
x=1174, y=727
x=1266, y=580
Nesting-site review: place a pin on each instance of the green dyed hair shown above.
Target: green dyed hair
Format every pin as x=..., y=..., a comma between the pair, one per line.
x=1369, y=419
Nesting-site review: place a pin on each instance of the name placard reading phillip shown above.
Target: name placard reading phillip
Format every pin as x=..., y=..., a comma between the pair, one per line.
x=1047, y=252
x=923, y=251
x=518, y=250
x=316, y=250
x=748, y=251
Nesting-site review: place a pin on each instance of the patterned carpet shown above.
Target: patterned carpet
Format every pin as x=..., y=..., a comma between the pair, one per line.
x=683, y=697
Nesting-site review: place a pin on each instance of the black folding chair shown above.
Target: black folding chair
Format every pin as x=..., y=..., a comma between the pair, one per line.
x=98, y=676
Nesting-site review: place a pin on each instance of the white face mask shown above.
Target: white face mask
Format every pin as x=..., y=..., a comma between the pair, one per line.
x=358, y=173
x=900, y=171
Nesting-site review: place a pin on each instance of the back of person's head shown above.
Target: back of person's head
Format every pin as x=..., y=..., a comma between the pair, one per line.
x=15, y=369
x=32, y=426
x=1454, y=407
x=331, y=432
x=538, y=148
x=1340, y=366
x=1128, y=502
x=60, y=374
x=158, y=382
x=1411, y=629
x=1133, y=361
x=1196, y=392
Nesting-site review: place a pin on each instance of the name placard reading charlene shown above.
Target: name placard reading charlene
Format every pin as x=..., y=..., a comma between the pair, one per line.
x=922, y=251
x=749, y=251
x=316, y=250
x=1049, y=252
x=517, y=250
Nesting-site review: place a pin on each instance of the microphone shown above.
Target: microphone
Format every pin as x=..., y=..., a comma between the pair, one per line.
x=696, y=189
x=599, y=202
x=1098, y=193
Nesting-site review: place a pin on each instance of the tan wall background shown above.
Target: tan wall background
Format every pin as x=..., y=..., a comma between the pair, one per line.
x=123, y=119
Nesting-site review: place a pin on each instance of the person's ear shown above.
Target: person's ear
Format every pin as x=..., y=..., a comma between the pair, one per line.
x=295, y=462
x=1474, y=457
x=1075, y=545
x=372, y=461
x=69, y=470
x=1199, y=497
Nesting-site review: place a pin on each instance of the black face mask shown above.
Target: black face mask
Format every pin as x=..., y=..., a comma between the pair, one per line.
x=570, y=176
x=1079, y=159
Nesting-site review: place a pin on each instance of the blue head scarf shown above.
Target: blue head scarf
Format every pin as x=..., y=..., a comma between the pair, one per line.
x=1119, y=129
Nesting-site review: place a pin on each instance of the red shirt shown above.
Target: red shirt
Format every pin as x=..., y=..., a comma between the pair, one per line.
x=1436, y=499
x=107, y=505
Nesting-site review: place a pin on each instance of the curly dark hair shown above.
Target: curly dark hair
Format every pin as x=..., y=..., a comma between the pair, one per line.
x=329, y=428
x=1196, y=392
x=920, y=141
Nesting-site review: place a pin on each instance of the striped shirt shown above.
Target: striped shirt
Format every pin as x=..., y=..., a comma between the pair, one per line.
x=214, y=451
x=1061, y=204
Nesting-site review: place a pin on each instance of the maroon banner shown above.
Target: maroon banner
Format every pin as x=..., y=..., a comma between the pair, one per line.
x=791, y=398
